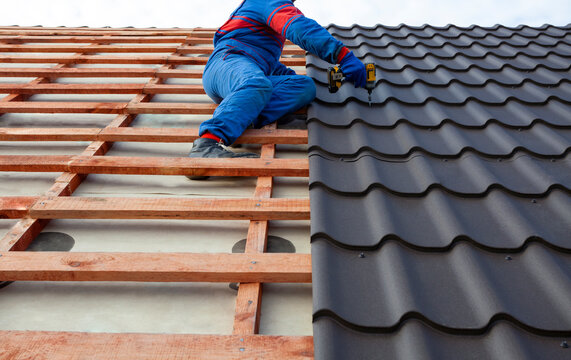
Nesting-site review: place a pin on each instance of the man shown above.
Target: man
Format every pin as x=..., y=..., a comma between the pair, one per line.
x=245, y=77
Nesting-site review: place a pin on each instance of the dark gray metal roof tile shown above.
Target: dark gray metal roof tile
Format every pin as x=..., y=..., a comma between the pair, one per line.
x=441, y=214
x=463, y=41
x=471, y=77
x=491, y=93
x=469, y=175
x=435, y=221
x=449, y=31
x=448, y=51
x=414, y=339
x=465, y=288
x=449, y=140
x=460, y=62
x=433, y=113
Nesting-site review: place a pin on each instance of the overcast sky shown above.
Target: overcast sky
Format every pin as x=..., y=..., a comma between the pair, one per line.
x=212, y=13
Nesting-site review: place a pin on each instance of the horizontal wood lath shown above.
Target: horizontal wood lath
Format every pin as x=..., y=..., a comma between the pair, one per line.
x=108, y=108
x=170, y=208
x=107, y=59
x=167, y=135
x=154, y=165
x=15, y=207
x=20, y=345
x=89, y=49
x=154, y=267
x=104, y=39
x=99, y=89
x=105, y=108
x=105, y=72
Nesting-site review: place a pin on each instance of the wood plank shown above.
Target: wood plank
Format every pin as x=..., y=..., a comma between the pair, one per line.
x=62, y=107
x=100, y=39
x=105, y=108
x=99, y=89
x=35, y=163
x=49, y=134
x=183, y=135
x=154, y=267
x=21, y=235
x=103, y=72
x=110, y=108
x=189, y=166
x=15, y=31
x=154, y=165
x=88, y=49
x=170, y=208
x=166, y=135
x=20, y=345
x=249, y=299
x=142, y=59
x=15, y=207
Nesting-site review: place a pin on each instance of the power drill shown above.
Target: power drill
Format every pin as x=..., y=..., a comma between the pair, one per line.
x=336, y=77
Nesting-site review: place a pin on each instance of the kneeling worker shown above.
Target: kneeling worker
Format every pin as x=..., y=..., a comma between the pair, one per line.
x=245, y=77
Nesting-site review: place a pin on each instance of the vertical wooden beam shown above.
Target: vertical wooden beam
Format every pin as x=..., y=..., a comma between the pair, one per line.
x=249, y=299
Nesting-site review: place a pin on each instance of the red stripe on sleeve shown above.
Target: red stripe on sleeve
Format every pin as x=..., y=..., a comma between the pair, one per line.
x=344, y=51
x=281, y=18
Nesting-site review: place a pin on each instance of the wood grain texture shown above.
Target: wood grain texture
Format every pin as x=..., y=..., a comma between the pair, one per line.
x=170, y=208
x=166, y=135
x=105, y=72
x=15, y=207
x=154, y=267
x=25, y=345
x=155, y=165
x=139, y=59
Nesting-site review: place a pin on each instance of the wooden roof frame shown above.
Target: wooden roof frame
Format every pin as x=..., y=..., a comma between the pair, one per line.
x=250, y=269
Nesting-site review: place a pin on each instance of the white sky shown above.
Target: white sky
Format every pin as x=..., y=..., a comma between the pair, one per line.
x=213, y=13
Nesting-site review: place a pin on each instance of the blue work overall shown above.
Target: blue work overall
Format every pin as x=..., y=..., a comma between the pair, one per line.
x=244, y=76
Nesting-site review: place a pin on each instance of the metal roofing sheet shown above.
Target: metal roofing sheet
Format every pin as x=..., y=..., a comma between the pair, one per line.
x=449, y=141
x=437, y=219
x=441, y=214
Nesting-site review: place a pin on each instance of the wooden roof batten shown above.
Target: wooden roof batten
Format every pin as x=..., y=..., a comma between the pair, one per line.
x=251, y=269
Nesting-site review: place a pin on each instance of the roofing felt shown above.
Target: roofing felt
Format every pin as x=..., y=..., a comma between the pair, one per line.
x=441, y=214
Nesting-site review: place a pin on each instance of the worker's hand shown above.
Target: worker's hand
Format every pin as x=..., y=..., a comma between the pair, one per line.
x=354, y=70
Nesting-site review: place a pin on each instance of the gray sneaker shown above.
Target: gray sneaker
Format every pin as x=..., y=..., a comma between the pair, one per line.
x=210, y=148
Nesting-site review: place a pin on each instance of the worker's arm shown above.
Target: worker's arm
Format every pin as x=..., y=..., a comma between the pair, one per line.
x=287, y=20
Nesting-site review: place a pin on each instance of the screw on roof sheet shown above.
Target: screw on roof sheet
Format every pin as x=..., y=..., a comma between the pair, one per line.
x=362, y=255
x=564, y=345
x=509, y=258
x=534, y=201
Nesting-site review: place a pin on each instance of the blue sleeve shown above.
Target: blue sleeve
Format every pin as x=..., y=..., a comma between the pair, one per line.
x=285, y=19
x=312, y=37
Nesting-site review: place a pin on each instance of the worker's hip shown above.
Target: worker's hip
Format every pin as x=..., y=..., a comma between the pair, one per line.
x=226, y=72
